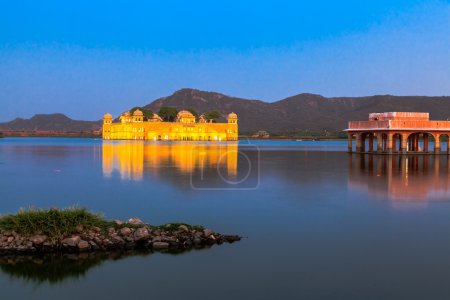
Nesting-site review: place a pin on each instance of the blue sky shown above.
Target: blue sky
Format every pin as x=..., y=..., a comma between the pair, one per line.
x=84, y=58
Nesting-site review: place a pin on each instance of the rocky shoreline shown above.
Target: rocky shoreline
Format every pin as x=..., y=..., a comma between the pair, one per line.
x=131, y=235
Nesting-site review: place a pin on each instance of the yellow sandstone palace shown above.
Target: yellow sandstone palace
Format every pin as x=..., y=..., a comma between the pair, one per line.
x=185, y=128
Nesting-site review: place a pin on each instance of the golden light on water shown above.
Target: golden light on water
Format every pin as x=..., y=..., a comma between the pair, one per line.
x=129, y=158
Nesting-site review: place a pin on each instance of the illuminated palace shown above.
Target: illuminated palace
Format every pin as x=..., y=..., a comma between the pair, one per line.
x=399, y=132
x=185, y=128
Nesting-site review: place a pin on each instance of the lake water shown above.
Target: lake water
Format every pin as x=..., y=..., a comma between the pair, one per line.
x=319, y=223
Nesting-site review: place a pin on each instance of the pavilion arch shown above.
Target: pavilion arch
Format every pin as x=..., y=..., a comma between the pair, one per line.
x=444, y=141
x=420, y=142
x=412, y=142
x=383, y=142
x=367, y=141
x=397, y=139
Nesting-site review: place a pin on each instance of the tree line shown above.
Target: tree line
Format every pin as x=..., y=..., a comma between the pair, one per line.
x=169, y=114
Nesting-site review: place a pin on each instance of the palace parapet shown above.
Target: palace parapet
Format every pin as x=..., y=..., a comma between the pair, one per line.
x=398, y=132
x=185, y=128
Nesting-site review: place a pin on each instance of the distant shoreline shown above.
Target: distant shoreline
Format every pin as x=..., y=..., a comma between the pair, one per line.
x=319, y=138
x=49, y=133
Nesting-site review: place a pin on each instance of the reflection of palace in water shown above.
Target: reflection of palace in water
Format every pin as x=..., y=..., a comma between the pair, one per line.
x=130, y=157
x=401, y=178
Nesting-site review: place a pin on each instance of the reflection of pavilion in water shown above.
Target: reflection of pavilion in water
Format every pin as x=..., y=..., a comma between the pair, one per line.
x=130, y=157
x=401, y=178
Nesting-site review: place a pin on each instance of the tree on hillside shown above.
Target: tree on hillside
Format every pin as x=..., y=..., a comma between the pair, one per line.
x=148, y=114
x=193, y=111
x=168, y=114
x=213, y=115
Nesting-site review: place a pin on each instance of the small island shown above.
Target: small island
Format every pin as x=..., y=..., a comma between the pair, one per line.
x=75, y=230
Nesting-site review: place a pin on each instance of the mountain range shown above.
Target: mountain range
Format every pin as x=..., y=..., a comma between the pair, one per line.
x=297, y=113
x=51, y=122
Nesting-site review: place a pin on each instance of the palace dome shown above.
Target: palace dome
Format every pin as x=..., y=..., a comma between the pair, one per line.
x=138, y=112
x=156, y=117
x=232, y=116
x=126, y=114
x=185, y=114
x=107, y=116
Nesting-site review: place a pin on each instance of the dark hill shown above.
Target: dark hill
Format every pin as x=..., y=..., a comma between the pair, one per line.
x=297, y=113
x=54, y=122
x=303, y=111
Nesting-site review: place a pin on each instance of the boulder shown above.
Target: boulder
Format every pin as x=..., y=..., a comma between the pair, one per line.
x=38, y=239
x=71, y=241
x=141, y=234
x=118, y=222
x=135, y=221
x=83, y=245
x=118, y=240
x=207, y=232
x=125, y=231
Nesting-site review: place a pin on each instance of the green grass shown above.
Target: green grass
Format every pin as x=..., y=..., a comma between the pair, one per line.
x=55, y=223
x=60, y=223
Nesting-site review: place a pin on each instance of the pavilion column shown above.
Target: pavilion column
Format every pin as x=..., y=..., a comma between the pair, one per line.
x=413, y=142
x=448, y=144
x=437, y=144
x=416, y=142
x=425, y=142
x=394, y=143
x=349, y=142
x=371, y=143
x=359, y=143
x=389, y=141
x=404, y=141
x=379, y=142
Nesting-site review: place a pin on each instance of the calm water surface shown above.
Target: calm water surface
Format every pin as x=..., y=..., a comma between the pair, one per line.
x=321, y=224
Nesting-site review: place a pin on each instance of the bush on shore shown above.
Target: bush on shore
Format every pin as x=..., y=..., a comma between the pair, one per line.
x=53, y=222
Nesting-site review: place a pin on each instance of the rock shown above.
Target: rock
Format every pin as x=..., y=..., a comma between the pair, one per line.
x=207, y=232
x=160, y=245
x=96, y=229
x=71, y=242
x=118, y=222
x=125, y=231
x=183, y=228
x=135, y=221
x=83, y=245
x=169, y=239
x=118, y=240
x=128, y=238
x=94, y=246
x=141, y=234
x=38, y=239
x=98, y=241
x=10, y=239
